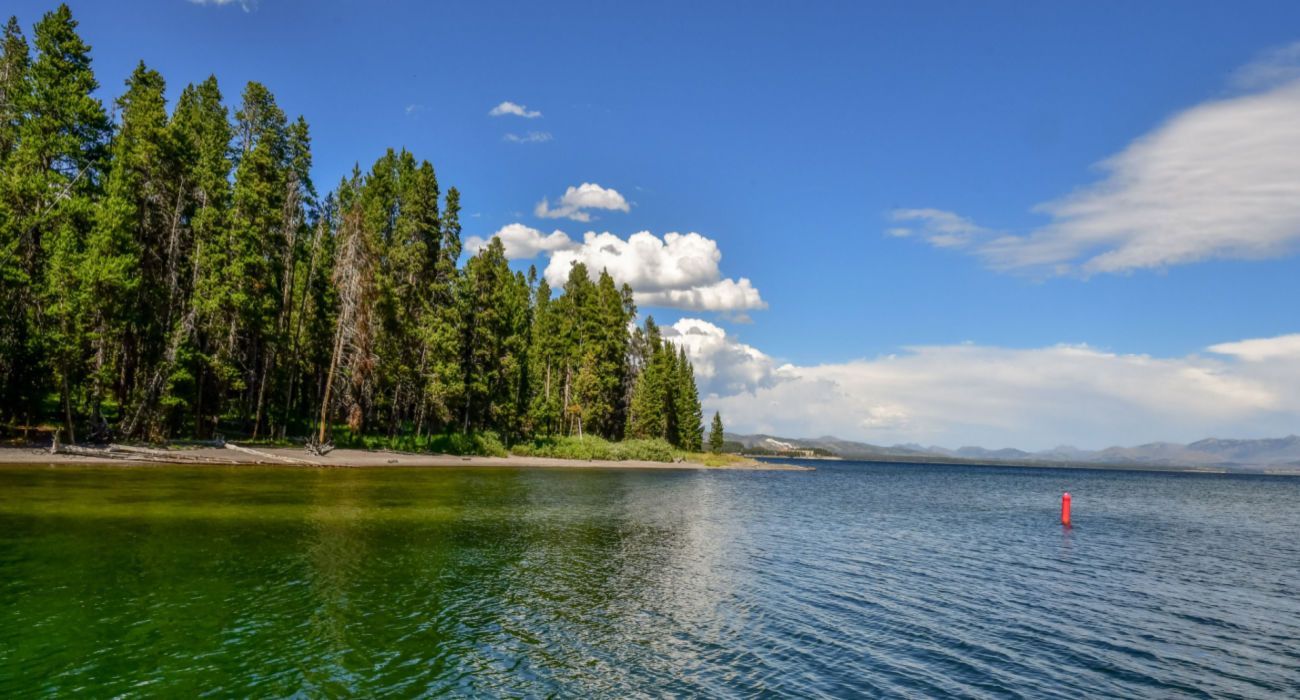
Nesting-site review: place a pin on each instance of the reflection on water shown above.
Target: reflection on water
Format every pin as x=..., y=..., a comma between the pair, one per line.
x=855, y=579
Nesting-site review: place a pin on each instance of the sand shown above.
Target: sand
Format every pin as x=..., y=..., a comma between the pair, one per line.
x=297, y=457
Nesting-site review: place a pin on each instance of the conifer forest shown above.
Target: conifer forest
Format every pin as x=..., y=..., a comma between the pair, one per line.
x=169, y=268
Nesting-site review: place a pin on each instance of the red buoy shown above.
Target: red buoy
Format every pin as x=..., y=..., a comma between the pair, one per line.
x=1065, y=509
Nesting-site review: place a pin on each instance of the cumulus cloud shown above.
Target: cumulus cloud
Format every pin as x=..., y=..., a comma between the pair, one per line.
x=679, y=270
x=530, y=137
x=1218, y=180
x=522, y=242
x=509, y=108
x=723, y=366
x=577, y=200
x=1030, y=398
x=723, y=295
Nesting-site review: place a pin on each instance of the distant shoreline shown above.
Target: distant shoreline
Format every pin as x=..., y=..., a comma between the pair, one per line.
x=349, y=459
x=1106, y=466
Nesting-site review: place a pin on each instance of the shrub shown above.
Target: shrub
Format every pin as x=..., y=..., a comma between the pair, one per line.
x=652, y=450
x=591, y=448
x=486, y=444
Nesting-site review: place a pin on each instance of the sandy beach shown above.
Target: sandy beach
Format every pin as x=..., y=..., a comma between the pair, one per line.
x=348, y=458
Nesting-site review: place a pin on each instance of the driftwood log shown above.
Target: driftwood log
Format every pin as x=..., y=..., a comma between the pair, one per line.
x=268, y=455
x=148, y=454
x=136, y=454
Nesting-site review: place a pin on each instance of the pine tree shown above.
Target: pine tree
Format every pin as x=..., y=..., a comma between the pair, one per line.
x=53, y=177
x=15, y=61
x=17, y=351
x=202, y=354
x=181, y=275
x=128, y=320
x=258, y=242
x=690, y=417
x=715, y=434
x=352, y=360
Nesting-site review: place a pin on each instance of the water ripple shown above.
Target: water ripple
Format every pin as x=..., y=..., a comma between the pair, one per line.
x=852, y=581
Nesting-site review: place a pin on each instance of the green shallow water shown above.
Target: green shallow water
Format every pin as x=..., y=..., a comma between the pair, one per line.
x=853, y=580
x=191, y=581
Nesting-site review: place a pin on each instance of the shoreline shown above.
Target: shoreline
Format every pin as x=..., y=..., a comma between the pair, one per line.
x=348, y=459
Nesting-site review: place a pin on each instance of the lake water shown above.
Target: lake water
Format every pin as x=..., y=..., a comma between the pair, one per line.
x=853, y=580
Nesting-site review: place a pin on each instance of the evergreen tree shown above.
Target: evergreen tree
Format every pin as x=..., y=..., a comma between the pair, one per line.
x=17, y=356
x=51, y=181
x=128, y=319
x=179, y=275
x=690, y=417
x=716, y=434
x=201, y=350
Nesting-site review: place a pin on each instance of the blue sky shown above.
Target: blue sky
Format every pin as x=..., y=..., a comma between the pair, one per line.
x=793, y=138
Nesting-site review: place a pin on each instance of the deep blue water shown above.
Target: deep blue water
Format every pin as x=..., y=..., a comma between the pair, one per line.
x=854, y=580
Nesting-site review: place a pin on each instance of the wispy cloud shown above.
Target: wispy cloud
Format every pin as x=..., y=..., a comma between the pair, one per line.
x=577, y=200
x=413, y=109
x=942, y=229
x=1218, y=180
x=1274, y=67
x=509, y=108
x=530, y=137
x=245, y=5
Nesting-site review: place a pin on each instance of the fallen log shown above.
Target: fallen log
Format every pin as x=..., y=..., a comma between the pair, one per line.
x=268, y=455
x=140, y=450
x=136, y=454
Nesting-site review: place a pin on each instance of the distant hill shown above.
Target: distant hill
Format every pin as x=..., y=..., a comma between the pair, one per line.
x=1239, y=455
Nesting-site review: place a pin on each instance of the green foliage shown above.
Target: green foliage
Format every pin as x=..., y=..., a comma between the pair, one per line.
x=665, y=402
x=595, y=448
x=716, y=441
x=178, y=274
x=485, y=444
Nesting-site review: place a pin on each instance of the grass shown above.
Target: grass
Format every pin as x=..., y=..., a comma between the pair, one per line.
x=710, y=459
x=593, y=448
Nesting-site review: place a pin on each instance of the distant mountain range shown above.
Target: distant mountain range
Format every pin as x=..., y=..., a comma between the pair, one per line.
x=1236, y=455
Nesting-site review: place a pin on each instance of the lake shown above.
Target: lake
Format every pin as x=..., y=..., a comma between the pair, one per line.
x=853, y=580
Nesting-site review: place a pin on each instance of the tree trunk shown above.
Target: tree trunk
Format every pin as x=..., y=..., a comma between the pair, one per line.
x=329, y=380
x=261, y=392
x=67, y=410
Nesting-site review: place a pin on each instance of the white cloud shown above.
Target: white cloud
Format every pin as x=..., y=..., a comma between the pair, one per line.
x=1261, y=349
x=530, y=137
x=577, y=200
x=727, y=294
x=1029, y=398
x=1218, y=180
x=1274, y=67
x=678, y=270
x=723, y=366
x=522, y=242
x=513, y=109
x=942, y=229
x=245, y=5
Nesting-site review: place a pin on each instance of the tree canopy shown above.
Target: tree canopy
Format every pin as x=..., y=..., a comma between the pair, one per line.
x=177, y=273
